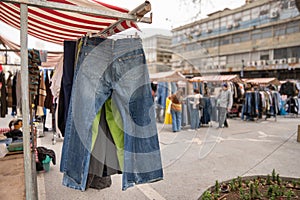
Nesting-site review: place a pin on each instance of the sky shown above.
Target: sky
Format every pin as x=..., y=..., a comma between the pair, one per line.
x=167, y=14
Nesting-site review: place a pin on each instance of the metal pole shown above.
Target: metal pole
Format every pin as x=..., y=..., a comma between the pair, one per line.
x=25, y=103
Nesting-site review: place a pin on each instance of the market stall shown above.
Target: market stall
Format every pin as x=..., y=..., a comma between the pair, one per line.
x=209, y=86
x=57, y=22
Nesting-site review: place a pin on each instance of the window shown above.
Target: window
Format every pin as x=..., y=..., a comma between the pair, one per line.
x=245, y=37
x=237, y=17
x=203, y=26
x=246, y=15
x=225, y=40
x=216, y=24
x=266, y=33
x=256, y=34
x=229, y=19
x=264, y=57
x=210, y=25
x=279, y=30
x=292, y=28
x=280, y=53
x=215, y=42
x=223, y=22
x=255, y=13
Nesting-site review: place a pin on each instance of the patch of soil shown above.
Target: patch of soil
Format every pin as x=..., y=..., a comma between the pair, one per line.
x=255, y=187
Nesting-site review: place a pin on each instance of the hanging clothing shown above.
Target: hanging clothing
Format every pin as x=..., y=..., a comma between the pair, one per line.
x=9, y=90
x=48, y=103
x=162, y=93
x=3, y=97
x=168, y=116
x=116, y=69
x=14, y=96
x=19, y=93
x=103, y=160
x=70, y=53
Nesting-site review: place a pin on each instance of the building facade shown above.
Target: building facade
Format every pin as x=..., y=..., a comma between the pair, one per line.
x=158, y=53
x=258, y=39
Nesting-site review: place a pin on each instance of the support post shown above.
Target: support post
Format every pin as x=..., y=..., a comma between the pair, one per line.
x=30, y=188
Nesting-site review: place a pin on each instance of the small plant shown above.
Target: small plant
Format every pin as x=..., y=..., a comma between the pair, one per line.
x=268, y=180
x=251, y=191
x=242, y=193
x=270, y=191
x=278, y=179
x=240, y=181
x=217, y=187
x=207, y=196
x=232, y=185
x=216, y=196
x=257, y=193
x=294, y=183
x=247, y=182
x=273, y=175
x=289, y=194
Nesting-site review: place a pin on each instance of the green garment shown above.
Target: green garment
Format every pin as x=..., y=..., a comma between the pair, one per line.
x=115, y=125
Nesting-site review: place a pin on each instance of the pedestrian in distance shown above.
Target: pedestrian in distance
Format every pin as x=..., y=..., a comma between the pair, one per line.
x=224, y=104
x=176, y=109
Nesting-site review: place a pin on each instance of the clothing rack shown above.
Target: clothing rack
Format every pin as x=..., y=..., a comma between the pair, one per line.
x=30, y=182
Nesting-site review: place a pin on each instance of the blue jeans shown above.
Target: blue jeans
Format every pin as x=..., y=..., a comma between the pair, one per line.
x=116, y=69
x=222, y=116
x=176, y=120
x=195, y=118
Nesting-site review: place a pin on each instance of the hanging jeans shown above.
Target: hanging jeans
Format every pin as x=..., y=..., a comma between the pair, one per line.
x=66, y=83
x=176, y=120
x=117, y=69
x=222, y=116
x=195, y=118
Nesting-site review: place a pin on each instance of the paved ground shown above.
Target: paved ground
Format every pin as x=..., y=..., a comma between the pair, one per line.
x=193, y=160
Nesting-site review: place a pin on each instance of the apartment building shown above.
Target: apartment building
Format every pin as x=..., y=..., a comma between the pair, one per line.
x=259, y=39
x=158, y=52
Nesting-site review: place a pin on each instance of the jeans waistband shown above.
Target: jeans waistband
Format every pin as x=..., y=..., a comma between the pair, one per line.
x=125, y=43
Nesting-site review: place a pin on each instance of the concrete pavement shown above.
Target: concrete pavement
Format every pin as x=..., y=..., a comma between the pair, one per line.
x=194, y=160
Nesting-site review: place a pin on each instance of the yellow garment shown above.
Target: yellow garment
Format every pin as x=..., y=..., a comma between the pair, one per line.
x=168, y=116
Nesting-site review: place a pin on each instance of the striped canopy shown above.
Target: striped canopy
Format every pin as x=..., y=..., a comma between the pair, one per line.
x=53, y=58
x=55, y=26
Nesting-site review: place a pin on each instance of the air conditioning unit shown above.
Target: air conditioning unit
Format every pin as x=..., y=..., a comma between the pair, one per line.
x=261, y=62
x=282, y=61
x=229, y=26
x=253, y=64
x=292, y=60
x=208, y=30
x=198, y=33
x=236, y=24
x=274, y=13
x=273, y=62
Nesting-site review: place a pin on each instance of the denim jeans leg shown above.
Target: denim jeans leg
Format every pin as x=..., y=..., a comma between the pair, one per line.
x=223, y=112
x=195, y=119
x=174, y=121
x=178, y=118
x=116, y=69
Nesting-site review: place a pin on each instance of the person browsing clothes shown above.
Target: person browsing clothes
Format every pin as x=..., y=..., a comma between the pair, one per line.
x=176, y=109
x=224, y=103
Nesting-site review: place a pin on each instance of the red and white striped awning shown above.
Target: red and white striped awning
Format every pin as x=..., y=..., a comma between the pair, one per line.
x=52, y=57
x=56, y=25
x=216, y=78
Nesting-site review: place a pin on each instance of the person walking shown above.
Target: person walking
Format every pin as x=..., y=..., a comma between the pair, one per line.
x=176, y=110
x=195, y=110
x=224, y=103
